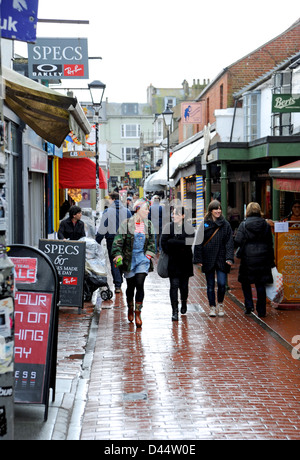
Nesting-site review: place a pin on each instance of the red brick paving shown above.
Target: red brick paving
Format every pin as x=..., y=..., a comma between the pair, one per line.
x=200, y=378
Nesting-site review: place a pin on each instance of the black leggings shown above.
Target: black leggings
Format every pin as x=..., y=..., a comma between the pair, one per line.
x=135, y=282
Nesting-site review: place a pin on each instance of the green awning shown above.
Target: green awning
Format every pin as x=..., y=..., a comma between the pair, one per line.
x=50, y=114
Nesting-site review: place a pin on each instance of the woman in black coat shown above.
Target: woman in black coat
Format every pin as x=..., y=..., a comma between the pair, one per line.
x=176, y=241
x=214, y=252
x=255, y=242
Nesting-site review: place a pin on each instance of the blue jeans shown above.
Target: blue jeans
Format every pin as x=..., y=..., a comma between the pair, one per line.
x=221, y=283
x=116, y=274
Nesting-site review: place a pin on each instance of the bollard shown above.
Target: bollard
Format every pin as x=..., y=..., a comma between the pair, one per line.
x=6, y=346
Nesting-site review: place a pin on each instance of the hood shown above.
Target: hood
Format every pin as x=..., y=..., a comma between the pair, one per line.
x=255, y=226
x=117, y=204
x=220, y=221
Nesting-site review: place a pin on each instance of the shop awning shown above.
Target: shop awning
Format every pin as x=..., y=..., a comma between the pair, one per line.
x=287, y=177
x=180, y=157
x=79, y=173
x=50, y=114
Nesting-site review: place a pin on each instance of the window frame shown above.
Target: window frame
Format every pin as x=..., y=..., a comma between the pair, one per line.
x=127, y=130
x=252, y=115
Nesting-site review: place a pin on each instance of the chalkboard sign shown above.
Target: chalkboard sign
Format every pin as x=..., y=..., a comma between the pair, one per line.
x=36, y=325
x=68, y=258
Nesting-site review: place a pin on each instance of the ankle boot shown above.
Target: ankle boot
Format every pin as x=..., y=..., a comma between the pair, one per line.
x=183, y=307
x=174, y=311
x=138, y=319
x=130, y=311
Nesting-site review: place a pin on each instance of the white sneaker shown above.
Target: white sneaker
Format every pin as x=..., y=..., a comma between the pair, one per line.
x=212, y=311
x=221, y=310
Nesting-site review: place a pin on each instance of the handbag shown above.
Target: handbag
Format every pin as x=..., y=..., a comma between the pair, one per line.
x=275, y=291
x=162, y=265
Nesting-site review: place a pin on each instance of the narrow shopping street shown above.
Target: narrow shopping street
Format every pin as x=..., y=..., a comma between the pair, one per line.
x=201, y=378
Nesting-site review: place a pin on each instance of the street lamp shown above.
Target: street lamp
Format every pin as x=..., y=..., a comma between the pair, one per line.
x=97, y=89
x=168, y=116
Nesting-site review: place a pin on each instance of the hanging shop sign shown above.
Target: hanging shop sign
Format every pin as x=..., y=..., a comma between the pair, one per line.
x=36, y=325
x=191, y=112
x=285, y=103
x=68, y=258
x=19, y=19
x=58, y=58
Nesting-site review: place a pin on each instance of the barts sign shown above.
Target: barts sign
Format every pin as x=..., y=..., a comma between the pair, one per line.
x=58, y=58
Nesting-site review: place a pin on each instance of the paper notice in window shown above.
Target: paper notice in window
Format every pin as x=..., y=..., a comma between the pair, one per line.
x=281, y=227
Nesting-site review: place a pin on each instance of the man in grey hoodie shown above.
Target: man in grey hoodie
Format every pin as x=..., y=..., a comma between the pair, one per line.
x=110, y=222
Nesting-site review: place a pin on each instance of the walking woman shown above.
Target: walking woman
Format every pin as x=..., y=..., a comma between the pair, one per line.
x=134, y=247
x=215, y=254
x=176, y=241
x=255, y=242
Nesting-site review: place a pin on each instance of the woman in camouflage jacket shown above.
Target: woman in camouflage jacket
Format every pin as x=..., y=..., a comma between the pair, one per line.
x=134, y=247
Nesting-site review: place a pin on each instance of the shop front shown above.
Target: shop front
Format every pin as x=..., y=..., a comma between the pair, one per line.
x=240, y=172
x=33, y=114
x=286, y=179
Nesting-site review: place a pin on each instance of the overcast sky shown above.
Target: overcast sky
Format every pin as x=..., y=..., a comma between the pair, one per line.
x=163, y=42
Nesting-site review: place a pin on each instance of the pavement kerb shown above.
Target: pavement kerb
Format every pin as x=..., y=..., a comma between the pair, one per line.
x=78, y=407
x=265, y=326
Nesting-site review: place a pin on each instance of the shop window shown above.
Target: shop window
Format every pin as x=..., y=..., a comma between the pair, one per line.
x=281, y=123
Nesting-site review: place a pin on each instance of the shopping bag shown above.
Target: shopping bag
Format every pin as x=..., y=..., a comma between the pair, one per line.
x=162, y=265
x=274, y=291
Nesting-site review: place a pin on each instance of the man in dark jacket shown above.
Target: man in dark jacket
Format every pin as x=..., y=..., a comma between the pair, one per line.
x=112, y=217
x=72, y=228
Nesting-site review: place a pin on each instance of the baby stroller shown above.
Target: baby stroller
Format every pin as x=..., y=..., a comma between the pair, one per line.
x=95, y=276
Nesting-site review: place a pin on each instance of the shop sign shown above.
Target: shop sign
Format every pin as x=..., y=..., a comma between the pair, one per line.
x=19, y=19
x=136, y=174
x=287, y=244
x=117, y=169
x=58, y=58
x=191, y=112
x=285, y=103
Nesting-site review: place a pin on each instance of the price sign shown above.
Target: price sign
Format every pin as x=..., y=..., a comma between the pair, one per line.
x=36, y=325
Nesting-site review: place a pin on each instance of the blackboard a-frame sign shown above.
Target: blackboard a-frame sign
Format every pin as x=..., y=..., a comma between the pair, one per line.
x=36, y=325
x=68, y=258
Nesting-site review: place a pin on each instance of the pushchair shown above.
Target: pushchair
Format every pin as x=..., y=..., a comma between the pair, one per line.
x=95, y=276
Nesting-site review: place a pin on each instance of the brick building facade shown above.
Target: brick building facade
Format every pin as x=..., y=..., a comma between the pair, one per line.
x=219, y=93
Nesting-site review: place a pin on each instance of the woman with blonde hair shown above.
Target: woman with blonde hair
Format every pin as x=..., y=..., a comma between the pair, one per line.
x=133, y=248
x=255, y=242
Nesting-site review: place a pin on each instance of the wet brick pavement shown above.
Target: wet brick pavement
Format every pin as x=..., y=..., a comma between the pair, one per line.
x=201, y=378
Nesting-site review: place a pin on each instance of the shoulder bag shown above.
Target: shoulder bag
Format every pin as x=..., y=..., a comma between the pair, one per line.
x=162, y=265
